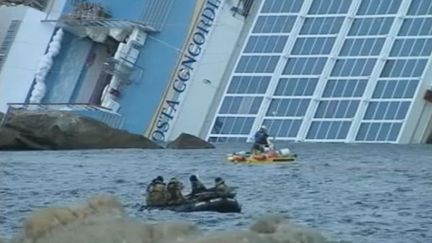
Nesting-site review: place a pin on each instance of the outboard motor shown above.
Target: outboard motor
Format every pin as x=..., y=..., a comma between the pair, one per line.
x=284, y=152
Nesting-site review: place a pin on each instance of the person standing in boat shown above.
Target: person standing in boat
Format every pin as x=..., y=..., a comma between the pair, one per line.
x=156, y=192
x=261, y=140
x=196, y=185
x=174, y=194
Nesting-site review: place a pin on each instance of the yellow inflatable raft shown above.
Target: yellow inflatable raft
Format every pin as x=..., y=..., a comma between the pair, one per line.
x=273, y=156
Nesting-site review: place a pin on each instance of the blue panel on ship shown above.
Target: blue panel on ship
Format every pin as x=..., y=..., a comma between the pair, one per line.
x=157, y=60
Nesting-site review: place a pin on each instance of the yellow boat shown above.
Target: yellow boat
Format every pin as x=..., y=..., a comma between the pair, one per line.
x=273, y=156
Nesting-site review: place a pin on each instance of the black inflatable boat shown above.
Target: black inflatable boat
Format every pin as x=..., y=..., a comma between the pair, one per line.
x=202, y=202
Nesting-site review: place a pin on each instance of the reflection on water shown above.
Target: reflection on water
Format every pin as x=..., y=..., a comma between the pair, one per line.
x=358, y=193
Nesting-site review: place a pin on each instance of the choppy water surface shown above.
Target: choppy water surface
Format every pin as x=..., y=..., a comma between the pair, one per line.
x=354, y=193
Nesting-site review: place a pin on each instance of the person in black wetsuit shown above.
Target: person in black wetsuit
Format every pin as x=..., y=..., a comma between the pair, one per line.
x=196, y=185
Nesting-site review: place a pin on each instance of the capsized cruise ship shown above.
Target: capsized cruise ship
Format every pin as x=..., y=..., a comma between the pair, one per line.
x=356, y=71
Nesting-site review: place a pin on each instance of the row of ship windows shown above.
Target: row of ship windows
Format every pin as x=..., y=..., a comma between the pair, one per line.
x=328, y=109
x=374, y=131
x=331, y=109
x=283, y=128
x=342, y=68
x=344, y=88
x=232, y=125
x=333, y=88
x=387, y=89
x=288, y=128
x=335, y=130
x=240, y=105
x=296, y=87
x=337, y=109
x=243, y=125
x=353, y=67
x=367, y=7
x=328, y=130
x=351, y=47
x=248, y=84
x=332, y=25
x=288, y=107
x=385, y=110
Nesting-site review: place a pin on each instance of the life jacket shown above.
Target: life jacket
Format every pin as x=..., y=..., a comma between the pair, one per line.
x=173, y=190
x=220, y=187
x=156, y=194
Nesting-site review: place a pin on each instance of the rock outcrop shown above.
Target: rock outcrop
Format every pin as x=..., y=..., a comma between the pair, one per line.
x=102, y=219
x=26, y=130
x=9, y=139
x=188, y=141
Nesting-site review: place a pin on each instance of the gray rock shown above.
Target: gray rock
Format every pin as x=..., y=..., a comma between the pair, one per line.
x=188, y=141
x=102, y=219
x=230, y=237
x=10, y=140
x=64, y=130
x=296, y=234
x=267, y=224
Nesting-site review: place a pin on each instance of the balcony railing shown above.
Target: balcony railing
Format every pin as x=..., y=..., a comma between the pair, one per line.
x=95, y=15
x=37, y=4
x=155, y=13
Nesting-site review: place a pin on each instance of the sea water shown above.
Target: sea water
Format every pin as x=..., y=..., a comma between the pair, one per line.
x=348, y=192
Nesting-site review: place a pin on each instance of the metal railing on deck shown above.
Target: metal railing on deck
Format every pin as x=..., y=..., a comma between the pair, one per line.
x=155, y=13
x=95, y=16
x=91, y=14
x=112, y=119
x=37, y=4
